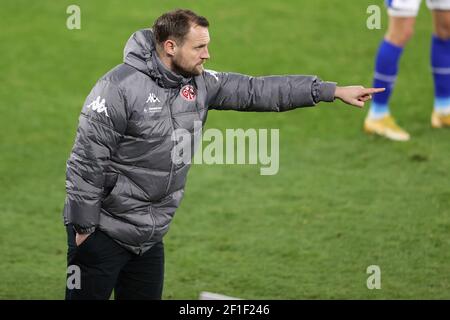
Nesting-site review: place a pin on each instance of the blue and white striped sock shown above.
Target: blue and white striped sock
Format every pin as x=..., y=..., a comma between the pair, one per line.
x=386, y=69
x=440, y=63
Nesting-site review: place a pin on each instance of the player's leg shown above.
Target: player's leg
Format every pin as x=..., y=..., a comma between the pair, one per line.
x=440, y=62
x=402, y=18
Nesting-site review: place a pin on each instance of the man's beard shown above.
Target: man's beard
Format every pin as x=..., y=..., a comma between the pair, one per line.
x=187, y=73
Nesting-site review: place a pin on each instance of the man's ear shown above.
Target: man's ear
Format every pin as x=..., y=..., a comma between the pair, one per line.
x=170, y=47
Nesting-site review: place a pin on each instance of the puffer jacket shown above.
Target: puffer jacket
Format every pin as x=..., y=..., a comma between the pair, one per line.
x=120, y=176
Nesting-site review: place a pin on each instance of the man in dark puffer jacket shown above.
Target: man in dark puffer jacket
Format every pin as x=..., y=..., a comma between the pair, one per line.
x=123, y=186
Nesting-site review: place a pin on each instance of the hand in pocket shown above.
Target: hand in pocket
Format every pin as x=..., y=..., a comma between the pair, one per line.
x=80, y=238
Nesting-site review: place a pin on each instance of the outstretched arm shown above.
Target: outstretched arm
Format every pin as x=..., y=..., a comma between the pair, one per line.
x=233, y=91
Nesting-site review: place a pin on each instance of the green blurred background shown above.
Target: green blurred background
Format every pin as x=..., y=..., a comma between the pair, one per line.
x=341, y=201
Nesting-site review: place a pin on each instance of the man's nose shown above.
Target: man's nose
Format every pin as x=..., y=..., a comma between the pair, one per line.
x=205, y=54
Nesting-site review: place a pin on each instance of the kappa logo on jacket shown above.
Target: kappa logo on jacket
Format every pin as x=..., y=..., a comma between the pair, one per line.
x=99, y=106
x=152, y=98
x=188, y=92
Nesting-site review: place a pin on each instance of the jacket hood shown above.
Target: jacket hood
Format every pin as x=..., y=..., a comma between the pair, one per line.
x=140, y=53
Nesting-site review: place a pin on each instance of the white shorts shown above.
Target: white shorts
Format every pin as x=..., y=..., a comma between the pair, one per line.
x=410, y=8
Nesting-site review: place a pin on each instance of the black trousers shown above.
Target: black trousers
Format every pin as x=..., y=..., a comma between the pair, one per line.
x=102, y=266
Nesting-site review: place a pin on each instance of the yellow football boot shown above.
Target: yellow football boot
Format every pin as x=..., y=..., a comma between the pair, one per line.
x=385, y=127
x=439, y=120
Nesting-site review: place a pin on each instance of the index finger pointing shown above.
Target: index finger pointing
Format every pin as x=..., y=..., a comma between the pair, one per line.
x=373, y=90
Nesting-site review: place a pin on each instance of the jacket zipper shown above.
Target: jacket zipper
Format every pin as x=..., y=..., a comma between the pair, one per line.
x=173, y=143
x=150, y=211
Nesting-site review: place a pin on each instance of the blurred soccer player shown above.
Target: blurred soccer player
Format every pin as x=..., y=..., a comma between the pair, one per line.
x=402, y=17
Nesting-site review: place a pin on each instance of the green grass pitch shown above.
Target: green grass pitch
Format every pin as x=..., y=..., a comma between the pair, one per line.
x=340, y=202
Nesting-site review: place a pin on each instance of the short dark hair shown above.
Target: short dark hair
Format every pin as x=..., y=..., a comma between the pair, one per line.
x=176, y=24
